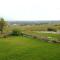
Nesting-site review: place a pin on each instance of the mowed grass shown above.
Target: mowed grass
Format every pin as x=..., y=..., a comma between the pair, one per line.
x=23, y=48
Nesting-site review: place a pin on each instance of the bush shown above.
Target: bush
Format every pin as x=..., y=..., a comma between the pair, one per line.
x=51, y=29
x=34, y=37
x=15, y=32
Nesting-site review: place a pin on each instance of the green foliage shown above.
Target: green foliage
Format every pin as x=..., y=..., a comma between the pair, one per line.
x=15, y=32
x=2, y=24
x=51, y=29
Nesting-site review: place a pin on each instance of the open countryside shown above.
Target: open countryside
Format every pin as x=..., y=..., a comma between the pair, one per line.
x=29, y=40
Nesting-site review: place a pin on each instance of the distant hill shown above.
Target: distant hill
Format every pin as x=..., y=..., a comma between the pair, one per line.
x=34, y=22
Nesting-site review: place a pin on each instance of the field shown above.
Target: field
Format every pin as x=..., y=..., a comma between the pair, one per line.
x=23, y=48
x=32, y=42
x=53, y=35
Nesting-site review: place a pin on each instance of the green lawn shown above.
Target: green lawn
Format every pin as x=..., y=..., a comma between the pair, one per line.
x=23, y=48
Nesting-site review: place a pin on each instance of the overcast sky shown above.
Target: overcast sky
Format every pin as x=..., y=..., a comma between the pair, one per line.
x=30, y=9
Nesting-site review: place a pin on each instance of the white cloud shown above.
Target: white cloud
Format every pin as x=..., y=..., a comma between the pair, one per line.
x=30, y=9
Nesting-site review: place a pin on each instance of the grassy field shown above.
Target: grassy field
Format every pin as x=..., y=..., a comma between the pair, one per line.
x=23, y=48
x=57, y=36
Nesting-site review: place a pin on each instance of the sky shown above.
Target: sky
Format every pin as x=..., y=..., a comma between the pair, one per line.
x=28, y=10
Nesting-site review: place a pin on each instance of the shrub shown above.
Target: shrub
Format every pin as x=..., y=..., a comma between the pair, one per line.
x=5, y=36
x=34, y=37
x=51, y=29
x=15, y=32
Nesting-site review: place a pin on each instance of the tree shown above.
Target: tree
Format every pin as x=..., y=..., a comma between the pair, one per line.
x=2, y=24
